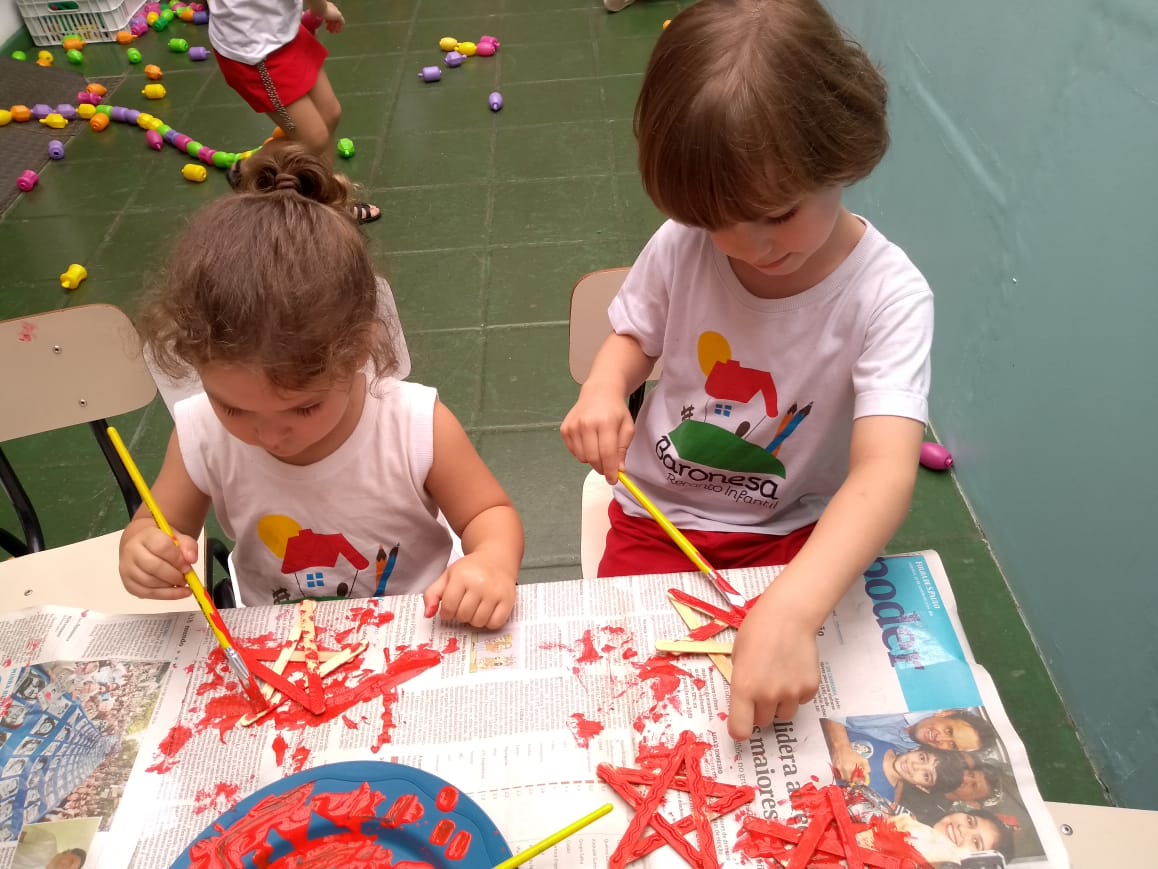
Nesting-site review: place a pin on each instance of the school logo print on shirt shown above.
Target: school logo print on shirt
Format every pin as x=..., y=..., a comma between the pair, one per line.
x=322, y=565
x=737, y=428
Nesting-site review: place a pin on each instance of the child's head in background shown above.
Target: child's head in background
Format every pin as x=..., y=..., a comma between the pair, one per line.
x=749, y=105
x=753, y=117
x=270, y=297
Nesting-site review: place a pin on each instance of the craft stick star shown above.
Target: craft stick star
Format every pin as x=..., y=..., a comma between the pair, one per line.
x=680, y=770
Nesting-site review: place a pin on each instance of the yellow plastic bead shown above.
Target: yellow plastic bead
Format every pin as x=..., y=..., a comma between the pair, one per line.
x=447, y=43
x=85, y=111
x=144, y=119
x=194, y=172
x=154, y=91
x=467, y=48
x=54, y=120
x=5, y=117
x=151, y=18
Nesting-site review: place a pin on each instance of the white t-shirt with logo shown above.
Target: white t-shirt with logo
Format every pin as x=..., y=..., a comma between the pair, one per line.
x=358, y=523
x=249, y=31
x=749, y=426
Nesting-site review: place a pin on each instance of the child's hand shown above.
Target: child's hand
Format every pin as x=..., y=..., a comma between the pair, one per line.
x=151, y=566
x=472, y=591
x=333, y=18
x=598, y=430
x=775, y=667
x=846, y=762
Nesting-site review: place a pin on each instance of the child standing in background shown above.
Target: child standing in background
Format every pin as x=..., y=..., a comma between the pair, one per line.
x=329, y=475
x=786, y=424
x=275, y=64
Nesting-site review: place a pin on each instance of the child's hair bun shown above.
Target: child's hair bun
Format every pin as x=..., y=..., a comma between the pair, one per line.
x=285, y=166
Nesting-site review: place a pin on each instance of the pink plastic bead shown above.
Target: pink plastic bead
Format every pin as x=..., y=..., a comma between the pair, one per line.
x=153, y=140
x=935, y=457
x=27, y=180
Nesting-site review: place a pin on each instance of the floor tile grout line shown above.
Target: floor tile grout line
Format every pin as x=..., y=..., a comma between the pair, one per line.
x=399, y=78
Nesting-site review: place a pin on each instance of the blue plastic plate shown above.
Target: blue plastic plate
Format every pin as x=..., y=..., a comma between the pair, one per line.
x=421, y=841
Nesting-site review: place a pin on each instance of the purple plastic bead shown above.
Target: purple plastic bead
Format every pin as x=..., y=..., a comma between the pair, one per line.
x=198, y=52
x=200, y=17
x=66, y=111
x=453, y=59
x=153, y=140
x=56, y=149
x=495, y=101
x=170, y=136
x=119, y=114
x=131, y=116
x=181, y=141
x=40, y=110
x=430, y=73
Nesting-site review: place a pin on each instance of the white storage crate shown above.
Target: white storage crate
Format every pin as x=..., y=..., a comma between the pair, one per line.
x=50, y=21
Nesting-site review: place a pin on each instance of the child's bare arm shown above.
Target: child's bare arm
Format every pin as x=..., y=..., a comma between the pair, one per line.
x=598, y=429
x=774, y=657
x=151, y=566
x=478, y=589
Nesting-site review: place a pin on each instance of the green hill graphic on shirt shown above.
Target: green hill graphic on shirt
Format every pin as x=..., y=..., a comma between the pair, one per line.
x=714, y=447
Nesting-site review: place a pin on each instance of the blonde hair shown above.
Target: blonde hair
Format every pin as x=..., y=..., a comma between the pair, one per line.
x=276, y=278
x=749, y=105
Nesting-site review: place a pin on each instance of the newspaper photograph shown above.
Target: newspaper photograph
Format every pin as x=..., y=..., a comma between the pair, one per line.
x=142, y=749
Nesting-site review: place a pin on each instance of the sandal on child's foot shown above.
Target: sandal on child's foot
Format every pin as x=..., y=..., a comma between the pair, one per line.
x=364, y=212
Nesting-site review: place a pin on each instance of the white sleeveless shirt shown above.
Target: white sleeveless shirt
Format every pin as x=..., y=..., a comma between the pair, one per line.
x=358, y=523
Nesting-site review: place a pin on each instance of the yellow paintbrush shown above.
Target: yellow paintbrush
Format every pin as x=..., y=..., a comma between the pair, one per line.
x=212, y=616
x=555, y=838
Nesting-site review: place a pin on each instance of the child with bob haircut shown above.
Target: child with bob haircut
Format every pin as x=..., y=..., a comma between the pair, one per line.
x=786, y=425
x=329, y=474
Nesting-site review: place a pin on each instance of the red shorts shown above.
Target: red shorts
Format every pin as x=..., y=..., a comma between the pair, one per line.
x=638, y=545
x=293, y=71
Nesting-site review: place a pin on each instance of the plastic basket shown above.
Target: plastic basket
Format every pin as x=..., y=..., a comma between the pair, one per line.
x=50, y=21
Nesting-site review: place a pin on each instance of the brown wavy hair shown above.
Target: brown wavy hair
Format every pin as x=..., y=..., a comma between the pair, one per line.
x=276, y=278
x=749, y=105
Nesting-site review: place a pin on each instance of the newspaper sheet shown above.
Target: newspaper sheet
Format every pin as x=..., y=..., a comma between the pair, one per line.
x=122, y=735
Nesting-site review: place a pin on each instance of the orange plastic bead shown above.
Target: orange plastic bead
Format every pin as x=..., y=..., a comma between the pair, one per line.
x=73, y=43
x=21, y=114
x=94, y=88
x=153, y=72
x=185, y=14
x=125, y=38
x=278, y=133
x=98, y=122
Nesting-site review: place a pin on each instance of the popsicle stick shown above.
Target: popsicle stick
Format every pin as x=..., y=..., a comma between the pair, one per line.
x=723, y=662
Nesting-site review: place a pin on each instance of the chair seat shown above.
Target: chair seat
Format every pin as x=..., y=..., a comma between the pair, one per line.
x=82, y=575
x=593, y=523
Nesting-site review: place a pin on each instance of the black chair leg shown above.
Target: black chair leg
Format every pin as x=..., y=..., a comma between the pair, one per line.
x=25, y=513
x=220, y=590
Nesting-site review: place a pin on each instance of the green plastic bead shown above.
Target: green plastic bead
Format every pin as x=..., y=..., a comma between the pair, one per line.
x=346, y=148
x=162, y=22
x=192, y=148
x=178, y=45
x=133, y=55
x=104, y=110
x=161, y=130
x=223, y=159
x=19, y=55
x=75, y=57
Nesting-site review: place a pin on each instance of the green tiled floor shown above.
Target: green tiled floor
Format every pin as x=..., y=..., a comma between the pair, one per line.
x=489, y=220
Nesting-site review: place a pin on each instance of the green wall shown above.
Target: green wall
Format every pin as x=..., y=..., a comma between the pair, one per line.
x=1022, y=180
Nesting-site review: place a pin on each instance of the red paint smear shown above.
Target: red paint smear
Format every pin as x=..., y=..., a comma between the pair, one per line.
x=349, y=722
x=349, y=810
x=451, y=646
x=298, y=758
x=447, y=799
x=588, y=654
x=173, y=742
x=666, y=676
x=584, y=730
x=362, y=617
x=222, y=798
x=459, y=846
x=441, y=833
x=406, y=810
x=279, y=749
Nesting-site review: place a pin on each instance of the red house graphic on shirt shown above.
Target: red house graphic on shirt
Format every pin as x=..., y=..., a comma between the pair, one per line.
x=314, y=558
x=732, y=391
